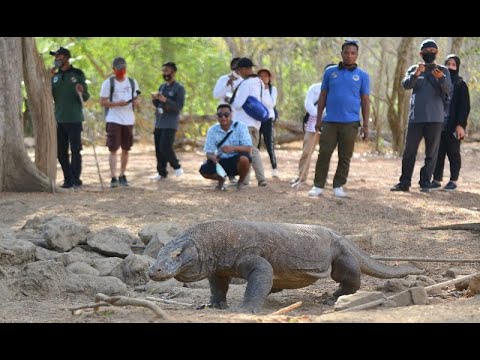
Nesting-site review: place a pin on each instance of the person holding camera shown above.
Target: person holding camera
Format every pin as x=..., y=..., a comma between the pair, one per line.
x=431, y=88
x=454, y=127
x=119, y=96
x=67, y=83
x=227, y=84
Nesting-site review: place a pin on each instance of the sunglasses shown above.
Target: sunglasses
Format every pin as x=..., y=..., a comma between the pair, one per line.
x=225, y=115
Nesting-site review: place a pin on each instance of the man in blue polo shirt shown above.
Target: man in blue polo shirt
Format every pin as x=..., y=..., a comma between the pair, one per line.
x=229, y=144
x=345, y=89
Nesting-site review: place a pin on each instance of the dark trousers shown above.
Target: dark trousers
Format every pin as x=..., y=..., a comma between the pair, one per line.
x=267, y=130
x=415, y=132
x=344, y=135
x=70, y=134
x=451, y=147
x=164, y=139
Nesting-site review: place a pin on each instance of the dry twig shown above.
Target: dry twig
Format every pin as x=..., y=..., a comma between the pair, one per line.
x=287, y=309
x=125, y=301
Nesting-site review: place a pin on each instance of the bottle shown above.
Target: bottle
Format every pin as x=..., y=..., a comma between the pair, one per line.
x=220, y=170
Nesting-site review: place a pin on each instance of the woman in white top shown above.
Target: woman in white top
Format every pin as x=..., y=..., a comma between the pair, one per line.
x=269, y=99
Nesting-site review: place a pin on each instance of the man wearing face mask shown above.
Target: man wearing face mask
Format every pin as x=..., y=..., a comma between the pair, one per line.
x=67, y=83
x=454, y=127
x=431, y=88
x=227, y=84
x=168, y=101
x=118, y=96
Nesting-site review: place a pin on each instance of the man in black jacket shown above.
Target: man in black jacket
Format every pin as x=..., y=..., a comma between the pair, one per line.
x=454, y=129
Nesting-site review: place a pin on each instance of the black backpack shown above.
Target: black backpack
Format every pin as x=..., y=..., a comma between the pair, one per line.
x=112, y=87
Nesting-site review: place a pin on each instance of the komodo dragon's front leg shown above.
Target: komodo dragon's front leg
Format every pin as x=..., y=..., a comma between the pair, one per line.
x=218, y=289
x=259, y=275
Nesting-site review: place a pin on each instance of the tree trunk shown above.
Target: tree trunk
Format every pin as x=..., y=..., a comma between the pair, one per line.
x=40, y=100
x=17, y=172
x=398, y=101
x=457, y=43
x=378, y=87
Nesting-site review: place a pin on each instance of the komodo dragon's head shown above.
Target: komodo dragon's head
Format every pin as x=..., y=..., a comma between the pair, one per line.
x=179, y=258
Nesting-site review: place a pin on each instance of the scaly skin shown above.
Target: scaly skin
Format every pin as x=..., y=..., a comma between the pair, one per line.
x=270, y=256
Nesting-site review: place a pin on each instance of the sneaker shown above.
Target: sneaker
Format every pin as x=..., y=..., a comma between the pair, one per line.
x=122, y=180
x=316, y=191
x=338, y=192
x=114, y=182
x=232, y=180
x=275, y=173
x=295, y=184
x=179, y=172
x=400, y=187
x=450, y=186
x=66, y=185
x=294, y=181
x=435, y=185
x=158, y=178
x=262, y=183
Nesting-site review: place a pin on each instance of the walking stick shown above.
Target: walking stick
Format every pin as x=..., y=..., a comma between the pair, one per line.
x=92, y=140
x=311, y=148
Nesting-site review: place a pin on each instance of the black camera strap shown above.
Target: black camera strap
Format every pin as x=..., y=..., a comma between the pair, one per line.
x=227, y=135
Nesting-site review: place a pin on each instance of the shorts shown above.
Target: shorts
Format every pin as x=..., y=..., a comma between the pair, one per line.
x=119, y=135
x=229, y=164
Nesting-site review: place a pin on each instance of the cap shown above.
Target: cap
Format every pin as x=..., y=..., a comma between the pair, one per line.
x=245, y=63
x=119, y=63
x=61, y=51
x=428, y=43
x=265, y=70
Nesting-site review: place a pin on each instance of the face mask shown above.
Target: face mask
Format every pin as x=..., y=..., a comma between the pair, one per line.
x=167, y=77
x=429, y=57
x=58, y=63
x=120, y=73
x=453, y=72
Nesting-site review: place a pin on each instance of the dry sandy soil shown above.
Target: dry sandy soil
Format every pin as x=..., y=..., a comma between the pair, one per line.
x=394, y=221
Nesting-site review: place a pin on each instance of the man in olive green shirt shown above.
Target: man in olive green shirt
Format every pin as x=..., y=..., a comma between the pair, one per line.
x=67, y=83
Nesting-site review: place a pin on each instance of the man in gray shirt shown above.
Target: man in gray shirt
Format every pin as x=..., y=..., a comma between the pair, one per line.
x=431, y=88
x=169, y=102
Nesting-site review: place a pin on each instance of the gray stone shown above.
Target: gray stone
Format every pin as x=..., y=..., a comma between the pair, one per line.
x=112, y=241
x=5, y=293
x=135, y=269
x=435, y=300
x=37, y=222
x=412, y=296
x=14, y=252
x=153, y=247
x=87, y=252
x=394, y=285
x=359, y=298
x=63, y=234
x=159, y=287
x=426, y=279
x=80, y=268
x=107, y=285
x=42, y=278
x=72, y=257
x=106, y=266
x=164, y=231
x=452, y=273
x=42, y=254
x=33, y=236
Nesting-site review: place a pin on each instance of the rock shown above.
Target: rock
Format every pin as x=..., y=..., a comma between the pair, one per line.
x=63, y=234
x=434, y=300
x=412, y=296
x=5, y=294
x=394, y=285
x=37, y=222
x=107, y=285
x=112, y=241
x=473, y=286
x=42, y=254
x=165, y=232
x=135, y=269
x=426, y=279
x=153, y=247
x=359, y=298
x=42, y=278
x=159, y=287
x=33, y=236
x=453, y=273
x=72, y=257
x=14, y=252
x=80, y=268
x=106, y=266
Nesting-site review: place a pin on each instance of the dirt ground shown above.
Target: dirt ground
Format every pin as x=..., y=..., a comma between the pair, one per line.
x=393, y=220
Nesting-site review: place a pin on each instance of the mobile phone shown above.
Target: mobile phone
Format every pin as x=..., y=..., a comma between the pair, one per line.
x=430, y=67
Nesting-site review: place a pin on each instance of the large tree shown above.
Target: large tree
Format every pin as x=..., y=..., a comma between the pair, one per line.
x=17, y=171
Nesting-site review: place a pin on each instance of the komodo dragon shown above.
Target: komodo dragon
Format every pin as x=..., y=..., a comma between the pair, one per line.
x=270, y=256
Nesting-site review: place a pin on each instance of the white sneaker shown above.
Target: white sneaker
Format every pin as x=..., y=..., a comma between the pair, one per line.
x=338, y=192
x=275, y=173
x=179, y=172
x=156, y=177
x=316, y=191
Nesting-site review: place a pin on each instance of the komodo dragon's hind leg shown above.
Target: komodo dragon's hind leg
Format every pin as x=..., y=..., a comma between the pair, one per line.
x=218, y=291
x=259, y=275
x=346, y=271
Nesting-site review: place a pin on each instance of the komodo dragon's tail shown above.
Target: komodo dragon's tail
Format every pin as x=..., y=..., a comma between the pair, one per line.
x=375, y=268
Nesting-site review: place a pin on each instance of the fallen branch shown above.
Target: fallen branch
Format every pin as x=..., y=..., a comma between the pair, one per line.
x=368, y=305
x=167, y=301
x=287, y=309
x=398, y=258
x=94, y=306
x=125, y=301
x=466, y=226
x=449, y=282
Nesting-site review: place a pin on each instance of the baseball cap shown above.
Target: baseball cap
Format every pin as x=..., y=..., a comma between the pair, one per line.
x=428, y=43
x=61, y=51
x=119, y=63
x=245, y=63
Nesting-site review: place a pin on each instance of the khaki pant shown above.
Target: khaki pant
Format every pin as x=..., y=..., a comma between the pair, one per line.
x=257, y=163
x=304, y=163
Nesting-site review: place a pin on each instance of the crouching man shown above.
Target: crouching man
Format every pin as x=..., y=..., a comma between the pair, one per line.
x=228, y=144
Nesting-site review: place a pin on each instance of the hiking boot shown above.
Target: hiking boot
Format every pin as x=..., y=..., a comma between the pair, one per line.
x=114, y=183
x=179, y=172
x=316, y=191
x=400, y=187
x=122, y=180
x=338, y=192
x=451, y=186
x=435, y=185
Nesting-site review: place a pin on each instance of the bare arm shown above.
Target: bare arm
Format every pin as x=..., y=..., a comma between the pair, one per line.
x=322, y=101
